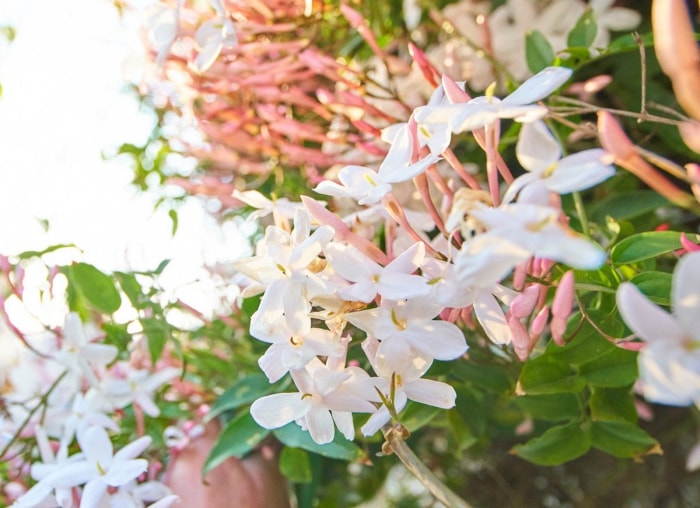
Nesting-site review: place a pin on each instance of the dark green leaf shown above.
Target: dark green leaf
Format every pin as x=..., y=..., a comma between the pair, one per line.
x=340, y=448
x=622, y=439
x=239, y=437
x=647, y=245
x=295, y=465
x=627, y=205
x=584, y=32
x=545, y=375
x=538, y=52
x=557, y=445
x=554, y=407
x=488, y=377
x=97, y=288
x=414, y=416
x=587, y=345
x=615, y=369
x=655, y=285
x=243, y=391
x=613, y=404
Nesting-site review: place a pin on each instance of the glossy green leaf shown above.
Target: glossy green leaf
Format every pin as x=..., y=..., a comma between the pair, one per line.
x=245, y=390
x=97, y=288
x=294, y=463
x=239, y=437
x=612, y=404
x=461, y=433
x=584, y=32
x=622, y=439
x=615, y=369
x=553, y=407
x=627, y=205
x=340, y=448
x=557, y=445
x=597, y=280
x=545, y=375
x=655, y=285
x=538, y=51
x=132, y=288
x=647, y=245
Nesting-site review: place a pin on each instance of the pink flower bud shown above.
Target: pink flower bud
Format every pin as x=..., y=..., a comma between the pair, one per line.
x=564, y=296
x=525, y=302
x=522, y=344
x=688, y=245
x=540, y=322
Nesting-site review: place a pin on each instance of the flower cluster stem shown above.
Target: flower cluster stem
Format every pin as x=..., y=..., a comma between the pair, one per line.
x=395, y=436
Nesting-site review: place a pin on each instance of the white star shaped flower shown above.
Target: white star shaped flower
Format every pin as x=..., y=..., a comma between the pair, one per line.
x=669, y=363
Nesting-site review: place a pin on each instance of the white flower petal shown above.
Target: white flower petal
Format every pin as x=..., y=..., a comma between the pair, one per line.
x=320, y=425
x=276, y=410
x=431, y=392
x=686, y=294
x=539, y=86
x=124, y=471
x=645, y=319
x=537, y=148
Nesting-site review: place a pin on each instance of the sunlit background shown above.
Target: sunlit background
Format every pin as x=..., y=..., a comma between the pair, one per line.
x=65, y=103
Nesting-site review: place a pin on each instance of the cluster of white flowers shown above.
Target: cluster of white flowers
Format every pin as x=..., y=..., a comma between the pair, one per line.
x=64, y=390
x=477, y=38
x=405, y=299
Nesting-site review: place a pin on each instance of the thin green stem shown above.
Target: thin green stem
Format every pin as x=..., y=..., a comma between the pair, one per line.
x=581, y=212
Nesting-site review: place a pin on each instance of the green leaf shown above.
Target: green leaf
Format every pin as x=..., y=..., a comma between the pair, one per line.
x=545, y=375
x=295, y=465
x=627, y=205
x=557, y=445
x=245, y=390
x=655, y=285
x=597, y=280
x=133, y=290
x=157, y=334
x=612, y=404
x=460, y=432
x=615, y=369
x=414, y=415
x=240, y=436
x=488, y=377
x=553, y=407
x=174, y=219
x=647, y=245
x=97, y=288
x=340, y=448
x=584, y=32
x=538, y=51
x=622, y=439
x=587, y=345
x=38, y=253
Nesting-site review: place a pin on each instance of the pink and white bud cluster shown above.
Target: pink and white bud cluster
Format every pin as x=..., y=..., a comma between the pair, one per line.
x=404, y=300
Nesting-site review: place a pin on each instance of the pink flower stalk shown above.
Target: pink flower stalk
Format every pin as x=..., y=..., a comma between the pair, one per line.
x=264, y=95
x=615, y=141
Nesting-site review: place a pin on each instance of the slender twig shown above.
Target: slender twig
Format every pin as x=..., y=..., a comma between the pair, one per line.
x=42, y=402
x=395, y=439
x=592, y=108
x=643, y=113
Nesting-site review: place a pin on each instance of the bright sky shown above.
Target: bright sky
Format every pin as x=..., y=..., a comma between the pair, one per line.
x=63, y=102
